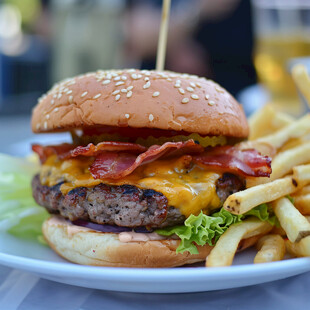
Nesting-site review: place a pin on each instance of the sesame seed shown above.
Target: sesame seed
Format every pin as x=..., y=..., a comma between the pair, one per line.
x=84, y=94
x=207, y=96
x=219, y=89
x=151, y=117
x=124, y=90
x=190, y=89
x=178, y=82
x=106, y=82
x=70, y=99
x=45, y=125
x=117, y=78
x=127, y=115
x=97, y=96
x=181, y=91
x=69, y=92
x=59, y=95
x=192, y=84
x=135, y=76
x=198, y=85
x=211, y=103
x=156, y=94
x=54, y=96
x=119, y=83
x=129, y=87
x=129, y=94
x=185, y=100
x=116, y=92
x=52, y=101
x=47, y=116
x=147, y=85
x=194, y=96
x=169, y=80
x=131, y=70
x=147, y=73
x=118, y=97
x=146, y=79
x=177, y=85
x=56, y=109
x=139, y=76
x=124, y=78
x=109, y=76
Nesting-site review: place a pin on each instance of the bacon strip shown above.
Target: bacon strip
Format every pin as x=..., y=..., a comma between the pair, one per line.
x=119, y=165
x=247, y=162
x=65, y=150
x=45, y=151
x=109, y=146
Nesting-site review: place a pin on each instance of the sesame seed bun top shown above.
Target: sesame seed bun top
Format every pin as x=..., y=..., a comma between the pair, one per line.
x=140, y=99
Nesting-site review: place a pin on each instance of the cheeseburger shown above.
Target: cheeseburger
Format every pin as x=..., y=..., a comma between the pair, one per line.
x=153, y=158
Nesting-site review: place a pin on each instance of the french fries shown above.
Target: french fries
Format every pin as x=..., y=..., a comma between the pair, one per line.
x=301, y=78
x=225, y=249
x=266, y=121
x=299, y=249
x=284, y=162
x=287, y=142
x=243, y=201
x=296, y=129
x=270, y=248
x=292, y=221
x=302, y=173
x=302, y=204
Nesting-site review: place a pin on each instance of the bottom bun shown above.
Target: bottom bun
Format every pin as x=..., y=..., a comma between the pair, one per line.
x=88, y=247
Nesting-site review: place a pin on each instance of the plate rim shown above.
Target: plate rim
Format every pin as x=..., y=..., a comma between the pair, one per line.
x=152, y=274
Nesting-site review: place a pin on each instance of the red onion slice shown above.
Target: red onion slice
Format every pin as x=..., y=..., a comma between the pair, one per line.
x=110, y=228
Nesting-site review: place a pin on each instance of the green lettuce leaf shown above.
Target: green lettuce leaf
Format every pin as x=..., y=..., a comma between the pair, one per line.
x=203, y=229
x=19, y=213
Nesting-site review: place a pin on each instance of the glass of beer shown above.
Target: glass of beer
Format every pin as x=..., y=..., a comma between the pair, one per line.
x=282, y=32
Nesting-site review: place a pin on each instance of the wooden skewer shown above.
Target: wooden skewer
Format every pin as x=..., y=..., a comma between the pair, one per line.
x=163, y=34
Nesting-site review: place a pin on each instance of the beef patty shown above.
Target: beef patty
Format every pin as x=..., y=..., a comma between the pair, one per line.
x=123, y=205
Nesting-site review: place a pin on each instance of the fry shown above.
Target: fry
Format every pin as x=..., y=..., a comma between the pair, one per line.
x=301, y=78
x=302, y=204
x=292, y=221
x=266, y=121
x=299, y=249
x=303, y=191
x=296, y=129
x=302, y=173
x=243, y=201
x=271, y=248
x=284, y=162
x=225, y=249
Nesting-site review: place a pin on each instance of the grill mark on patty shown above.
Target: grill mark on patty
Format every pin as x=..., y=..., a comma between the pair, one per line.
x=123, y=205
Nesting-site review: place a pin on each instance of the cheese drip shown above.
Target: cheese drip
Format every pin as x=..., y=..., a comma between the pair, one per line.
x=188, y=189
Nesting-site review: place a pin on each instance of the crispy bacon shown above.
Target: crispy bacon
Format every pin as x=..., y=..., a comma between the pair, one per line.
x=119, y=165
x=45, y=151
x=109, y=146
x=115, y=160
x=65, y=150
x=246, y=162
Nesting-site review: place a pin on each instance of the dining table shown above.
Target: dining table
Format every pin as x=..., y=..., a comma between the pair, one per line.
x=24, y=290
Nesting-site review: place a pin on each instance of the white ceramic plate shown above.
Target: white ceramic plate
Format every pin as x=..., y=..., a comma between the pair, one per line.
x=40, y=260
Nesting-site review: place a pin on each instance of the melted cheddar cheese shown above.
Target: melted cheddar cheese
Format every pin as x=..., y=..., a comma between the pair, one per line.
x=188, y=189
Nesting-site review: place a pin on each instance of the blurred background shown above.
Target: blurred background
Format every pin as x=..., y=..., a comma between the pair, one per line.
x=246, y=46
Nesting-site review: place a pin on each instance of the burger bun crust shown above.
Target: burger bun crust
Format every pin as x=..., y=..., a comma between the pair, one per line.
x=140, y=99
x=87, y=247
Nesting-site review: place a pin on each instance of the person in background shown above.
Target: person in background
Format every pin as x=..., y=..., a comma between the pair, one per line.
x=211, y=38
